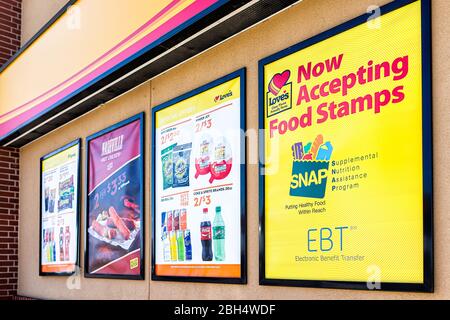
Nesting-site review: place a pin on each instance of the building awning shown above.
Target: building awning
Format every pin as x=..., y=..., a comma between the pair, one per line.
x=91, y=52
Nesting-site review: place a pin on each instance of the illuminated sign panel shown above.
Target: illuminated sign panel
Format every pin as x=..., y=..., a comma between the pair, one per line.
x=346, y=187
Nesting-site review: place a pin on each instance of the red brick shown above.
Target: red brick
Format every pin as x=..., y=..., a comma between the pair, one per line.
x=5, y=16
x=13, y=200
x=7, y=228
x=7, y=194
x=6, y=205
x=7, y=34
x=6, y=6
x=14, y=223
x=9, y=214
x=5, y=263
x=6, y=287
x=8, y=22
x=8, y=45
x=6, y=170
x=5, y=50
x=2, y=55
x=8, y=159
x=6, y=39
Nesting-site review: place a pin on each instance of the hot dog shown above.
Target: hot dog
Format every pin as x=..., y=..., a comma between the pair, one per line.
x=124, y=231
x=104, y=231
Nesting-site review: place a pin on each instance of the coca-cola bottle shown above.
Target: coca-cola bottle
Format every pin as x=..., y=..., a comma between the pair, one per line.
x=205, y=231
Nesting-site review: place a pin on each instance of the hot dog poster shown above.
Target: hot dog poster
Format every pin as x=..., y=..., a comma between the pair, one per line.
x=198, y=183
x=60, y=210
x=343, y=190
x=115, y=201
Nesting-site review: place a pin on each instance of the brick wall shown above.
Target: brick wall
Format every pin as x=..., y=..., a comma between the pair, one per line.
x=9, y=221
x=10, y=22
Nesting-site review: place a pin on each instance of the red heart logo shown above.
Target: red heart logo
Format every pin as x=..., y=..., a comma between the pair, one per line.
x=280, y=79
x=217, y=98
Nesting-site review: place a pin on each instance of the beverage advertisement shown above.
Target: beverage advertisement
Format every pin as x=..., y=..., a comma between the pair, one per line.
x=346, y=195
x=115, y=201
x=198, y=201
x=60, y=211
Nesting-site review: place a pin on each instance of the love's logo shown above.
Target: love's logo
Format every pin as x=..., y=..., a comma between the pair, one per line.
x=279, y=94
x=224, y=96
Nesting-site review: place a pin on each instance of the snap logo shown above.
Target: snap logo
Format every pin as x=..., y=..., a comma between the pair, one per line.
x=310, y=168
x=279, y=94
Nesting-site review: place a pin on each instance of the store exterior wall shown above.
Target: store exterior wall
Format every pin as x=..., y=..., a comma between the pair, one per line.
x=10, y=28
x=9, y=221
x=245, y=50
x=35, y=15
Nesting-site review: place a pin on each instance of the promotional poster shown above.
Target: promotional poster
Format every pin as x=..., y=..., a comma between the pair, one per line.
x=115, y=205
x=60, y=210
x=197, y=182
x=343, y=147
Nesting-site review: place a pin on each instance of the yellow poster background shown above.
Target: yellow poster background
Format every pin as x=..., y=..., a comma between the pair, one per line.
x=60, y=158
x=384, y=215
x=205, y=100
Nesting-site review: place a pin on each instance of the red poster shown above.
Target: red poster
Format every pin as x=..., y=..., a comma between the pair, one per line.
x=115, y=180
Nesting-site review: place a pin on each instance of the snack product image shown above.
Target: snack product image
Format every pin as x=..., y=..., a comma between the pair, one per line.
x=221, y=167
x=167, y=166
x=66, y=194
x=181, y=164
x=203, y=158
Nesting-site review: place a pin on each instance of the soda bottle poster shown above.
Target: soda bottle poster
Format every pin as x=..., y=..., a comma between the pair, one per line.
x=198, y=199
x=344, y=188
x=60, y=208
x=115, y=212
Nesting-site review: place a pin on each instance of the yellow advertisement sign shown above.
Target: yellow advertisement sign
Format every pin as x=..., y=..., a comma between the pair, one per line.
x=343, y=149
x=60, y=158
x=59, y=211
x=198, y=184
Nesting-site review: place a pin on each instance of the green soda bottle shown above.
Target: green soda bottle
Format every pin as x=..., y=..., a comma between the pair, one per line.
x=219, y=236
x=180, y=244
